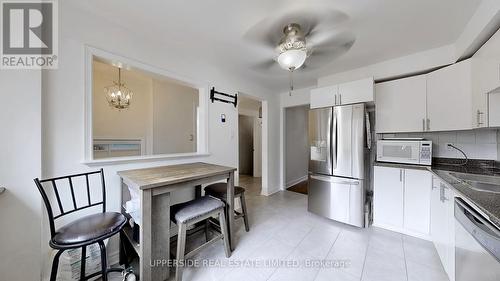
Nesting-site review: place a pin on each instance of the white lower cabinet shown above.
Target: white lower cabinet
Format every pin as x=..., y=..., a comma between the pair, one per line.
x=417, y=205
x=443, y=224
x=401, y=200
x=388, y=197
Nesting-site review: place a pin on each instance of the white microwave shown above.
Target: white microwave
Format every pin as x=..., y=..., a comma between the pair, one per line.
x=417, y=152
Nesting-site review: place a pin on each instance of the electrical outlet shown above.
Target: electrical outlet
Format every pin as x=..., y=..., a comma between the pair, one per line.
x=448, y=147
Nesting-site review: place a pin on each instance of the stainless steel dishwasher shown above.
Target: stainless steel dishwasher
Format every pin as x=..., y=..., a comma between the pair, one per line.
x=477, y=245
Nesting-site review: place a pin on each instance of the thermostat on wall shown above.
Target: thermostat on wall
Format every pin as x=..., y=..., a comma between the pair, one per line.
x=223, y=118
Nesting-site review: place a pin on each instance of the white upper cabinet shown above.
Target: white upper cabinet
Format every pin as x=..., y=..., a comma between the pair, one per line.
x=481, y=82
x=400, y=105
x=449, y=98
x=347, y=93
x=356, y=91
x=486, y=81
x=462, y=96
x=324, y=97
x=494, y=109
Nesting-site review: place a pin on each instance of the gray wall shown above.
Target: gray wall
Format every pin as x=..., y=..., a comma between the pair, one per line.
x=296, y=144
x=245, y=136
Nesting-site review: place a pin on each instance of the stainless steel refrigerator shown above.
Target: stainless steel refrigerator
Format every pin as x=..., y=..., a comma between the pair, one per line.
x=336, y=164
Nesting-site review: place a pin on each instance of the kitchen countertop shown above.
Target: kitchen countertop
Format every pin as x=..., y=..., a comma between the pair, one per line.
x=487, y=202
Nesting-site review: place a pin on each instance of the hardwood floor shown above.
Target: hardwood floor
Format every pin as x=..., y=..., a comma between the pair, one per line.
x=300, y=187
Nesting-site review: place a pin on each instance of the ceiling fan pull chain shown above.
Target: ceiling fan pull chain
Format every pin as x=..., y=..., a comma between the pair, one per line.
x=291, y=82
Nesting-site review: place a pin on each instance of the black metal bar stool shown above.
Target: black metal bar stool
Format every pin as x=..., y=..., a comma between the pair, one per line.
x=219, y=190
x=190, y=213
x=84, y=231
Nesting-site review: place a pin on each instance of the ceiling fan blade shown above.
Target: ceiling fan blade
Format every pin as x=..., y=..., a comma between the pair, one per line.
x=269, y=31
x=320, y=58
x=330, y=39
x=265, y=65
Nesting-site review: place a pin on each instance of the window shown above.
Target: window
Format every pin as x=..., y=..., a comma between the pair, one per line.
x=137, y=111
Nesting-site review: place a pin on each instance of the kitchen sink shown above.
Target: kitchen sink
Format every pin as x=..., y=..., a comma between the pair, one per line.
x=479, y=182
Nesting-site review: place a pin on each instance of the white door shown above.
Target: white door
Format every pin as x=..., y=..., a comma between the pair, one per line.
x=449, y=98
x=356, y=91
x=400, y=105
x=388, y=197
x=417, y=200
x=324, y=96
x=20, y=154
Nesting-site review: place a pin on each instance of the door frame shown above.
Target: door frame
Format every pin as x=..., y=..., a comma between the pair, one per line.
x=263, y=140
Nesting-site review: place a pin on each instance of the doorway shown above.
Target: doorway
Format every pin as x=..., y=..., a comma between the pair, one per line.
x=296, y=127
x=250, y=143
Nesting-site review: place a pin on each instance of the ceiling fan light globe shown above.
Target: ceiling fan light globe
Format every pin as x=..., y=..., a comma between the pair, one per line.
x=292, y=59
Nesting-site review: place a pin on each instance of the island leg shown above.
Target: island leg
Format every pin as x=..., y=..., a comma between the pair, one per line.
x=230, y=209
x=155, y=236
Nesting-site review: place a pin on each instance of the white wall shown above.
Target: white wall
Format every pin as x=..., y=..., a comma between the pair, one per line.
x=64, y=96
x=271, y=181
x=296, y=144
x=20, y=163
x=174, y=117
x=299, y=97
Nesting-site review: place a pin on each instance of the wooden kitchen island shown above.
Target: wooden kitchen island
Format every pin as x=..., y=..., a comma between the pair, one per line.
x=154, y=186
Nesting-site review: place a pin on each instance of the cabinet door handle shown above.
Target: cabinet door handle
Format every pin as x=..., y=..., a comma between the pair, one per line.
x=340, y=99
x=335, y=100
x=401, y=175
x=441, y=193
x=478, y=118
x=423, y=124
x=428, y=124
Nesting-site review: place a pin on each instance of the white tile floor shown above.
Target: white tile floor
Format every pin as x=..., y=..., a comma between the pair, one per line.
x=281, y=230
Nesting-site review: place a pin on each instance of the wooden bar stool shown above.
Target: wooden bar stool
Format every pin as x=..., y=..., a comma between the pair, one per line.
x=219, y=190
x=192, y=212
x=87, y=230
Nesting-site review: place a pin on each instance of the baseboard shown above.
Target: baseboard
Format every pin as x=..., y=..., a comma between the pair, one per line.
x=295, y=181
x=269, y=193
x=403, y=231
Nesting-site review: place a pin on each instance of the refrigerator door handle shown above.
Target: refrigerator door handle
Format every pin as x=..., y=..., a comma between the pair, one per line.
x=334, y=139
x=335, y=180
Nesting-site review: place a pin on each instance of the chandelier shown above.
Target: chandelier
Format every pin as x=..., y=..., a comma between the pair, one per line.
x=118, y=95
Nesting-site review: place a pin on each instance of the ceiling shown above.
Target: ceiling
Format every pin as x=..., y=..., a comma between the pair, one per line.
x=214, y=30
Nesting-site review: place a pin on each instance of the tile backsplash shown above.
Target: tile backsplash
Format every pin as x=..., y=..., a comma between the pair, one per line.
x=477, y=144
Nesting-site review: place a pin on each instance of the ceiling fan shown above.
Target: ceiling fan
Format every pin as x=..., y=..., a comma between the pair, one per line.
x=308, y=39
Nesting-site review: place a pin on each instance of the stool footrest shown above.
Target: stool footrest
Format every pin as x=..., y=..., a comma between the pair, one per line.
x=98, y=273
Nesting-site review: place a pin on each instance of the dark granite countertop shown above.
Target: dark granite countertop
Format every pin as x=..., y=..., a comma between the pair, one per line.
x=487, y=202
